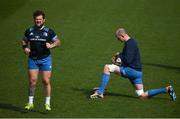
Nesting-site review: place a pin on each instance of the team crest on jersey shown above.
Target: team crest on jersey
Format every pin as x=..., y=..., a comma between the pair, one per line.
x=31, y=34
x=45, y=34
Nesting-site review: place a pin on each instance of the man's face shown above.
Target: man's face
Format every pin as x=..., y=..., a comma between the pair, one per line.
x=120, y=38
x=39, y=21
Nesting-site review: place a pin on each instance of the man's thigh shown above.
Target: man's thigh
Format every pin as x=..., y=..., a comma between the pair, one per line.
x=114, y=68
x=46, y=75
x=33, y=74
x=32, y=64
x=45, y=64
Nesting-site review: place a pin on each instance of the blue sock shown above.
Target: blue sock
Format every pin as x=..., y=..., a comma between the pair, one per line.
x=154, y=92
x=104, y=81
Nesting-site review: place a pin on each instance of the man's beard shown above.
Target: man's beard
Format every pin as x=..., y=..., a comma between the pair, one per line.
x=39, y=27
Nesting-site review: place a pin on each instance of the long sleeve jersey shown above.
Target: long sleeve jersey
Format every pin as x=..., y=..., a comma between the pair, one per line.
x=130, y=55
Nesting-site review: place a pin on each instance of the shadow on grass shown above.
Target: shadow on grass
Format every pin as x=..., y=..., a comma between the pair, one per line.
x=17, y=109
x=88, y=92
x=163, y=66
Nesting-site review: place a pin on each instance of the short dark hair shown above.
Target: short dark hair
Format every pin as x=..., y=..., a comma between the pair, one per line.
x=38, y=13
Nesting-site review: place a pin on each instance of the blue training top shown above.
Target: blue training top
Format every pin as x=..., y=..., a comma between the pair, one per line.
x=130, y=55
x=38, y=38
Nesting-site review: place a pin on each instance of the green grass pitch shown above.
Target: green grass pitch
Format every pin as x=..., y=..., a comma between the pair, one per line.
x=86, y=29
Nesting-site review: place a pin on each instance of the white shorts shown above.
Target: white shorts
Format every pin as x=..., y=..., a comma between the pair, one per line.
x=113, y=68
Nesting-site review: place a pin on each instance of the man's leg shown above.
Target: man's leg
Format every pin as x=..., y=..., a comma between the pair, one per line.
x=104, y=80
x=154, y=92
x=33, y=76
x=46, y=75
x=136, y=79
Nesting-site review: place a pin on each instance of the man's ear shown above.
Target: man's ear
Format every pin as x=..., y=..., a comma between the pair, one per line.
x=122, y=36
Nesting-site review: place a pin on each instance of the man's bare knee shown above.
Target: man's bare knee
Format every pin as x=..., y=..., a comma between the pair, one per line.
x=33, y=81
x=106, y=69
x=143, y=96
x=46, y=82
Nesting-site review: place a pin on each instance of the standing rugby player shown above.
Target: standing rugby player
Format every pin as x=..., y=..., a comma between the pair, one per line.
x=37, y=42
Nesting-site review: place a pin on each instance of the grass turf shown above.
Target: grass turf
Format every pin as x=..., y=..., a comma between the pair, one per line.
x=86, y=28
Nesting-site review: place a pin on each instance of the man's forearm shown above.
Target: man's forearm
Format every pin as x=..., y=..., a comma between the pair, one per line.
x=56, y=43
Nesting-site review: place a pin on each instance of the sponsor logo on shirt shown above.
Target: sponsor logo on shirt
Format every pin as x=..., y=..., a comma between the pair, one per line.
x=37, y=38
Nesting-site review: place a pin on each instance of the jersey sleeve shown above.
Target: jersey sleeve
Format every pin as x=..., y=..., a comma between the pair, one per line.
x=52, y=35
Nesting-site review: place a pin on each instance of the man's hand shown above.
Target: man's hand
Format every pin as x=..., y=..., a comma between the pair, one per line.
x=113, y=60
x=49, y=46
x=27, y=51
x=53, y=45
x=116, y=59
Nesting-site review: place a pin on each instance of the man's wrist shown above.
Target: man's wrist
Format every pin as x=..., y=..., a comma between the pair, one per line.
x=24, y=46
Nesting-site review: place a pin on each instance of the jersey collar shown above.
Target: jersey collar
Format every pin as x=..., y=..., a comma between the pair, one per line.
x=40, y=28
